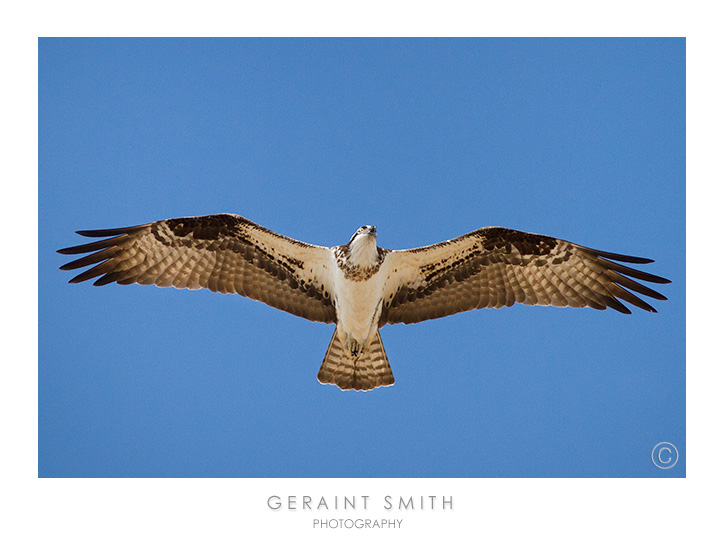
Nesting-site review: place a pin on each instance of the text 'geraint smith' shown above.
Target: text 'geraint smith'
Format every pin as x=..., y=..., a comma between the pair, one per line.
x=359, y=502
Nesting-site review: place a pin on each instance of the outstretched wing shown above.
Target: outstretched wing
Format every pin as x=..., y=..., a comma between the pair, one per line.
x=223, y=252
x=496, y=267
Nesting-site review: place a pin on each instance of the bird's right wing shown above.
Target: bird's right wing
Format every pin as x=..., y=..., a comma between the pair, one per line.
x=222, y=252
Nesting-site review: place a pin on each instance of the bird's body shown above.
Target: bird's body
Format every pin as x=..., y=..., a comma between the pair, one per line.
x=359, y=274
x=359, y=286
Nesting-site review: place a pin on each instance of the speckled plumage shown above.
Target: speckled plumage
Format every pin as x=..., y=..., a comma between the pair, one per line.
x=359, y=286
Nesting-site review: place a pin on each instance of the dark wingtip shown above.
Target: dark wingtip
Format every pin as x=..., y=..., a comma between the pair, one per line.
x=613, y=303
x=92, y=232
x=111, y=232
x=623, y=257
x=657, y=279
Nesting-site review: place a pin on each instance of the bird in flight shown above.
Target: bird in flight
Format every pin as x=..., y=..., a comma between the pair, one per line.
x=359, y=286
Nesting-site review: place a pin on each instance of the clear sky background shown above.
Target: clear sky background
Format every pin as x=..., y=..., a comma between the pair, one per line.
x=427, y=139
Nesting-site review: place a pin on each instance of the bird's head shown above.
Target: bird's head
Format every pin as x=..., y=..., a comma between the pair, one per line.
x=366, y=231
x=363, y=246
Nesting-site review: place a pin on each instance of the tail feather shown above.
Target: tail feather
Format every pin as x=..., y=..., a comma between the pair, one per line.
x=371, y=369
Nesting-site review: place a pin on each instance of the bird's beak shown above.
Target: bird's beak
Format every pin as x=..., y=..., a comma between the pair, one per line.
x=372, y=230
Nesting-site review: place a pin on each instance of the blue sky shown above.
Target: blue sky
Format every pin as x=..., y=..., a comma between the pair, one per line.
x=427, y=139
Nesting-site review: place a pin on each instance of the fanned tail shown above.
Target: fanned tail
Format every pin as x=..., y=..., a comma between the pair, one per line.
x=370, y=370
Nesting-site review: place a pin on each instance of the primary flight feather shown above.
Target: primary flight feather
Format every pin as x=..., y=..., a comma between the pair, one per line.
x=359, y=286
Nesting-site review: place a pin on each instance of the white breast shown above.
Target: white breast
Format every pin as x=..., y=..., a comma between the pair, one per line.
x=358, y=304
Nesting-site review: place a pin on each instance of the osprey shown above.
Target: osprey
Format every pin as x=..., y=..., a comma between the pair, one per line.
x=359, y=286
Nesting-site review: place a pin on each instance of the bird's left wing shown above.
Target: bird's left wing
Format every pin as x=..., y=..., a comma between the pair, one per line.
x=222, y=252
x=496, y=267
